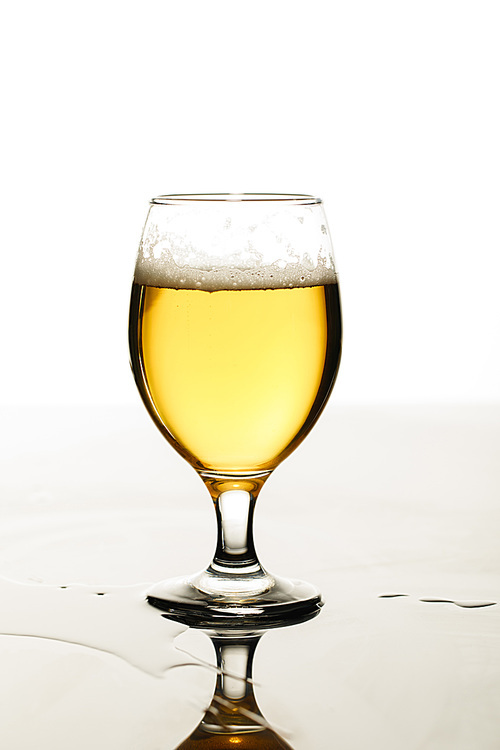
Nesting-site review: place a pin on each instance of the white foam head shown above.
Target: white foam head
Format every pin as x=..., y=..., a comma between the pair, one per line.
x=235, y=244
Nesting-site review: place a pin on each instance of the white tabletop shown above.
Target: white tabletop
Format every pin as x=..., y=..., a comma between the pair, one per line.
x=378, y=500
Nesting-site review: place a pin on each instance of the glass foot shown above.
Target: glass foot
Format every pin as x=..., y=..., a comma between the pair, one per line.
x=267, y=601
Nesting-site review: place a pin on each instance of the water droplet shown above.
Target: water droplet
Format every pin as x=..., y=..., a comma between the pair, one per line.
x=466, y=604
x=390, y=596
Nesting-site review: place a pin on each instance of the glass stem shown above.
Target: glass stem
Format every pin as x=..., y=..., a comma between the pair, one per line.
x=235, y=548
x=234, y=501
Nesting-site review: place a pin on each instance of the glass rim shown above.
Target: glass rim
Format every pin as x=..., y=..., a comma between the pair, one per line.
x=178, y=199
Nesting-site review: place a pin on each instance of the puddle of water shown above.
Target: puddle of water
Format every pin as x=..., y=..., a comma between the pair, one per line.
x=465, y=603
x=115, y=619
x=118, y=620
x=390, y=596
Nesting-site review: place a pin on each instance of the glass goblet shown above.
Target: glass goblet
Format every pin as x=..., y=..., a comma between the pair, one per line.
x=235, y=342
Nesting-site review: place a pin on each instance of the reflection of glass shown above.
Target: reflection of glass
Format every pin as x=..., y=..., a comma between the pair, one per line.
x=233, y=718
x=235, y=339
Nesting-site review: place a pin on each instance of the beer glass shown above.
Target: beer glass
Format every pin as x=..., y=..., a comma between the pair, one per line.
x=235, y=342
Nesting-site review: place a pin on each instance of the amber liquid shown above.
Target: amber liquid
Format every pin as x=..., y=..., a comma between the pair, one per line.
x=235, y=379
x=259, y=740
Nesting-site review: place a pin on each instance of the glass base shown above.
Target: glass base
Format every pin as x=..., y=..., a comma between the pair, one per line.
x=268, y=601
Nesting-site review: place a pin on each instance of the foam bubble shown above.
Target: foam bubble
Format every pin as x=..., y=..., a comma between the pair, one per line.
x=163, y=271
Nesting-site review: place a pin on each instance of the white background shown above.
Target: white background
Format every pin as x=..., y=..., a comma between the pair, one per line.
x=388, y=110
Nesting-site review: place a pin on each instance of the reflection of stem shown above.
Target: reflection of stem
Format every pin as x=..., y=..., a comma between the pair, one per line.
x=233, y=690
x=233, y=716
x=256, y=718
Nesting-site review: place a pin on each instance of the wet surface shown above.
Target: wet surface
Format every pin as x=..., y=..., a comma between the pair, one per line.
x=118, y=621
x=471, y=604
x=405, y=653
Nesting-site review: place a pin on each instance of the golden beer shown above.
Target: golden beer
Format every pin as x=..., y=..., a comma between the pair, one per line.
x=235, y=378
